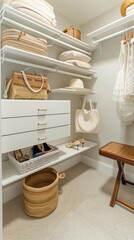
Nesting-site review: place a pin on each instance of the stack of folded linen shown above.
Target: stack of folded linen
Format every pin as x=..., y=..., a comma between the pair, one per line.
x=76, y=58
x=130, y=10
x=18, y=39
x=38, y=9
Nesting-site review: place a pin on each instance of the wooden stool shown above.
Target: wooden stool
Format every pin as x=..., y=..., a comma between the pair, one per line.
x=122, y=153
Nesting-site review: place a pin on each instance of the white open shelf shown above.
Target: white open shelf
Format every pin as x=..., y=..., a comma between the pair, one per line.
x=72, y=91
x=111, y=28
x=10, y=174
x=10, y=54
x=14, y=18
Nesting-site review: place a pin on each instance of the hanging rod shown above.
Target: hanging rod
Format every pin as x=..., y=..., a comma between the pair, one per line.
x=37, y=33
x=113, y=35
x=44, y=68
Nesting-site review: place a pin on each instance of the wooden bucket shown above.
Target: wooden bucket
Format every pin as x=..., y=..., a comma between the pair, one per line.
x=40, y=192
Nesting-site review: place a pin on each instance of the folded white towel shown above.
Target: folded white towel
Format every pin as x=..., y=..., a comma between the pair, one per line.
x=36, y=16
x=39, y=2
x=35, y=6
x=131, y=7
x=46, y=13
x=79, y=63
x=43, y=2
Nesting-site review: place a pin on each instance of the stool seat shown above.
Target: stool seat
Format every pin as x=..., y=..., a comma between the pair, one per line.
x=118, y=151
x=123, y=154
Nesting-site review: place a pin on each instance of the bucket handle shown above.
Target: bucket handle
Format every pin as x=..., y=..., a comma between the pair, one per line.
x=61, y=175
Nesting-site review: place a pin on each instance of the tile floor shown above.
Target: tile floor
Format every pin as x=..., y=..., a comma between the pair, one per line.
x=83, y=211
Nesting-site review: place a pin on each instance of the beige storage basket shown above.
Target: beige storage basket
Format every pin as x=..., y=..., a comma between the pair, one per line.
x=40, y=191
x=125, y=5
x=34, y=163
x=72, y=31
x=37, y=86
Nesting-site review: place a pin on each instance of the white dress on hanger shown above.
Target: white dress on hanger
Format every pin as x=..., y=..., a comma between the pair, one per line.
x=118, y=92
x=129, y=81
x=124, y=85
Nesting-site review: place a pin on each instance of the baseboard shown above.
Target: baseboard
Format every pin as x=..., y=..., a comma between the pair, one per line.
x=106, y=168
x=15, y=189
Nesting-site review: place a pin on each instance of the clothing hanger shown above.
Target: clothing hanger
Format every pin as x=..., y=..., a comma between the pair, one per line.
x=125, y=37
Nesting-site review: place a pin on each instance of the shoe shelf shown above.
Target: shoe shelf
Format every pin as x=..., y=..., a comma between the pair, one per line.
x=10, y=174
x=10, y=54
x=14, y=18
x=113, y=28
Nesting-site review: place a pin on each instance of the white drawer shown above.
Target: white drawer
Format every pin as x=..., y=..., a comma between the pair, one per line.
x=21, y=108
x=25, y=124
x=22, y=140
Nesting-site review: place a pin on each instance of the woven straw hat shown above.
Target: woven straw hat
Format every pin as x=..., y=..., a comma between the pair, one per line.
x=77, y=85
x=125, y=5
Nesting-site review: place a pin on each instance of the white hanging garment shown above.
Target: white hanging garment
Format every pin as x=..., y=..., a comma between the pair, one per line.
x=118, y=92
x=124, y=86
x=129, y=79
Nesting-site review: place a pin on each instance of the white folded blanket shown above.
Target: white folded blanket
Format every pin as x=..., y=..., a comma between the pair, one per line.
x=79, y=63
x=36, y=16
x=37, y=5
x=39, y=2
x=44, y=11
x=73, y=55
x=131, y=7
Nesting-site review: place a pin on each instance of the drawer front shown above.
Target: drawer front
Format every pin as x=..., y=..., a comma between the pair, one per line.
x=22, y=140
x=25, y=124
x=22, y=108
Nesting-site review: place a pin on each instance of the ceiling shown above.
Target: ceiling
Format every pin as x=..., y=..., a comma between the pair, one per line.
x=82, y=11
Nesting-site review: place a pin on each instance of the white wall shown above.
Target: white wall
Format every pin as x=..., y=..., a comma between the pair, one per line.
x=106, y=64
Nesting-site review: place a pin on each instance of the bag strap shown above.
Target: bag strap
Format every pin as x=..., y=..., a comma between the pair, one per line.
x=28, y=85
x=6, y=88
x=86, y=99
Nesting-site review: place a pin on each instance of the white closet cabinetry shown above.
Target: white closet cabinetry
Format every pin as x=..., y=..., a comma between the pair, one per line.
x=26, y=123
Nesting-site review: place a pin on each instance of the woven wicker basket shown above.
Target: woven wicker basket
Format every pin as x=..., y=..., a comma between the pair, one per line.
x=125, y=5
x=72, y=31
x=19, y=90
x=40, y=191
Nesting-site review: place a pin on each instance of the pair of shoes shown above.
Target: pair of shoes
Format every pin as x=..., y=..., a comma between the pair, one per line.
x=19, y=156
x=75, y=143
x=82, y=141
x=36, y=150
x=40, y=149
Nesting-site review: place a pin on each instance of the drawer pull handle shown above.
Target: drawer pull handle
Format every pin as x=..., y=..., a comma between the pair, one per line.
x=40, y=139
x=42, y=109
x=41, y=124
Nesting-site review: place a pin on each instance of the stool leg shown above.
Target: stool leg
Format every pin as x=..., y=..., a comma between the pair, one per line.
x=116, y=187
x=124, y=182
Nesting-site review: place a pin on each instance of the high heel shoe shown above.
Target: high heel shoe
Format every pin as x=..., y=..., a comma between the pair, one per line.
x=19, y=156
x=82, y=141
x=72, y=144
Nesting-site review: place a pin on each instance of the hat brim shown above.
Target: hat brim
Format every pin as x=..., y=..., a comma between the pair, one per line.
x=81, y=90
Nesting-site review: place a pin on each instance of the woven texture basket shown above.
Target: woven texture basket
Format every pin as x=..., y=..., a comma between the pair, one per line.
x=72, y=31
x=125, y=5
x=19, y=90
x=34, y=163
x=40, y=191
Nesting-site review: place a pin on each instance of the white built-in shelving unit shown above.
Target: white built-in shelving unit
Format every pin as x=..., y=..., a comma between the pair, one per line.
x=112, y=29
x=11, y=18
x=10, y=175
